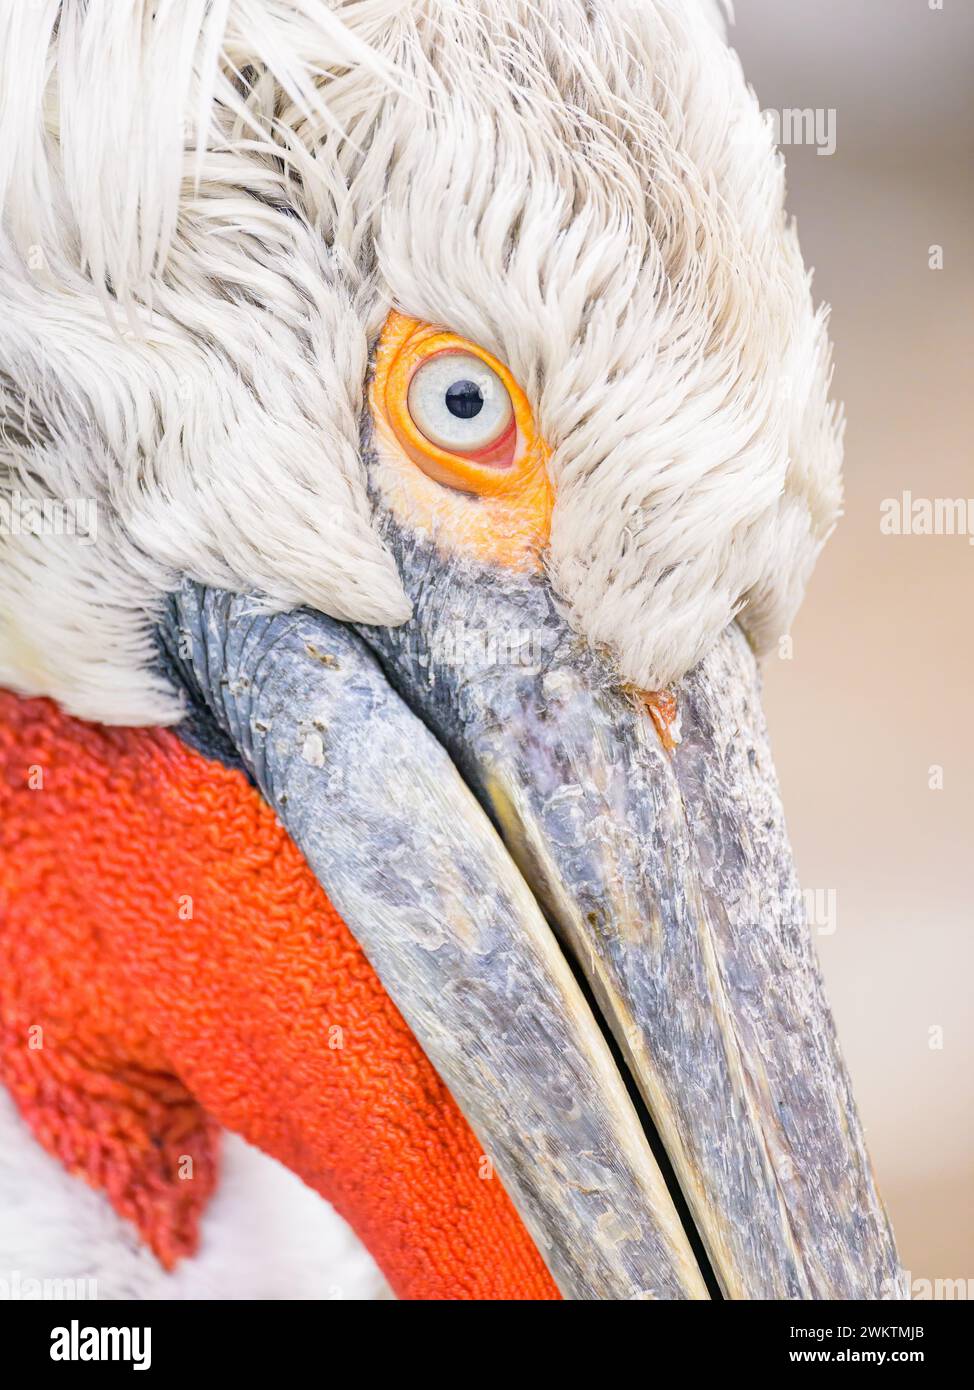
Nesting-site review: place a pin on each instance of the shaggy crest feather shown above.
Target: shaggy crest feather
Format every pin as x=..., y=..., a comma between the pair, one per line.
x=206, y=209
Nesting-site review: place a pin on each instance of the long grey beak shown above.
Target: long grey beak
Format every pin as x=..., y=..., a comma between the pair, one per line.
x=666, y=875
x=421, y=878
x=669, y=877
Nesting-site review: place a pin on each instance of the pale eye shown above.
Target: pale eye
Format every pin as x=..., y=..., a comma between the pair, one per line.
x=459, y=403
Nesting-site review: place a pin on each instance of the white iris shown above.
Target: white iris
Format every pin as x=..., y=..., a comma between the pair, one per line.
x=459, y=403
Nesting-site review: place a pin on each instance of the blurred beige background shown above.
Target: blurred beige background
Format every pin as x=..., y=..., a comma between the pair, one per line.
x=880, y=688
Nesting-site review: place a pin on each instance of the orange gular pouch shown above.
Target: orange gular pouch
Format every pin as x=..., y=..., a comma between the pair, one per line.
x=168, y=965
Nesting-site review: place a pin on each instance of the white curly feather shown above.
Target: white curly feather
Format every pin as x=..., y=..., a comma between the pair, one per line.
x=206, y=209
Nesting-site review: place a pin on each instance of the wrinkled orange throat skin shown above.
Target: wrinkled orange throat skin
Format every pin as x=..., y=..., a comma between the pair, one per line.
x=168, y=965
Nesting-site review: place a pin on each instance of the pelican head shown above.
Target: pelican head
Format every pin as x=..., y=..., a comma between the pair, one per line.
x=446, y=387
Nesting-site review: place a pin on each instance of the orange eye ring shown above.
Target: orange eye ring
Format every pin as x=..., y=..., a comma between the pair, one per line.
x=493, y=505
x=497, y=469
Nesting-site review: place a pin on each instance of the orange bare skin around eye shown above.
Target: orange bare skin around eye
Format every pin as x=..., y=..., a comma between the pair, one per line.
x=168, y=964
x=482, y=505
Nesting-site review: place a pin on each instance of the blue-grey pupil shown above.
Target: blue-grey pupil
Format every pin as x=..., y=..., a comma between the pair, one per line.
x=464, y=399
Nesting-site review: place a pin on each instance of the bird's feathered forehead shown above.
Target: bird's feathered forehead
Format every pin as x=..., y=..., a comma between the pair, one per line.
x=208, y=209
